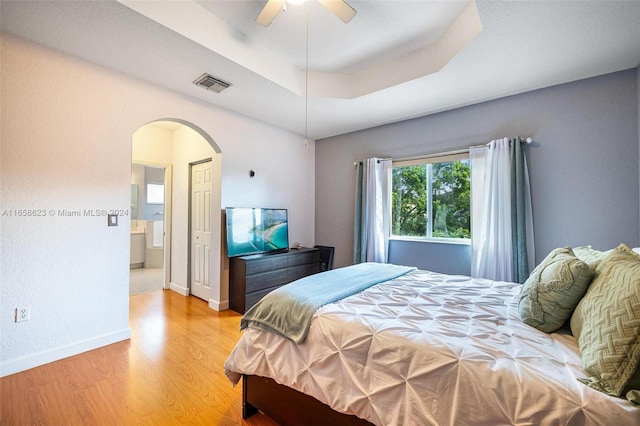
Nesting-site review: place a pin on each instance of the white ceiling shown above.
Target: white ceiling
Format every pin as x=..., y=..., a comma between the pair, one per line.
x=395, y=60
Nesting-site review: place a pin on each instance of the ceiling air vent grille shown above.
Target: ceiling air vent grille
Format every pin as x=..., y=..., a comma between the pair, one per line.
x=211, y=83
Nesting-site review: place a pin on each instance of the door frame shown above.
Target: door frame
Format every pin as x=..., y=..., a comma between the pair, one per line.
x=168, y=208
x=166, y=226
x=190, y=225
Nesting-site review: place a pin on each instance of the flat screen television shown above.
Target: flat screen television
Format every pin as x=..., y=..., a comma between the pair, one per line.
x=256, y=230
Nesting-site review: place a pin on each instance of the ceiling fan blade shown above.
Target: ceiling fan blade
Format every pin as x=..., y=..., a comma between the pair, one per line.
x=340, y=8
x=269, y=12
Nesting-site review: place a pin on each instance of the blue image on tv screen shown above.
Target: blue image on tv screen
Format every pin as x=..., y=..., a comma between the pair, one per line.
x=255, y=230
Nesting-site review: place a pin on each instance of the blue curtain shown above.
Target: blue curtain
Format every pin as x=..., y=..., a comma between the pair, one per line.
x=521, y=213
x=372, y=211
x=359, y=230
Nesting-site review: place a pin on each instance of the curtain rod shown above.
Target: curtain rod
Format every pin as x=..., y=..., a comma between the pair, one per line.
x=439, y=154
x=524, y=140
x=421, y=157
x=527, y=140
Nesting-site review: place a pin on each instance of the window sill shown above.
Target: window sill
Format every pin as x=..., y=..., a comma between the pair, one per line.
x=455, y=241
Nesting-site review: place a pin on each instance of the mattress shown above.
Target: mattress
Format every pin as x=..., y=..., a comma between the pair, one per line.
x=435, y=349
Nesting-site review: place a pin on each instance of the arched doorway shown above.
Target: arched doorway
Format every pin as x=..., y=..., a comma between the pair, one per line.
x=175, y=146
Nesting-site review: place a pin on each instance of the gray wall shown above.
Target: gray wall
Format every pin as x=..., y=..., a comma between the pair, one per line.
x=584, y=166
x=452, y=259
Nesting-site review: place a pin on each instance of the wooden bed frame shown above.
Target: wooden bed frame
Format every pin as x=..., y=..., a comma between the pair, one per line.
x=287, y=406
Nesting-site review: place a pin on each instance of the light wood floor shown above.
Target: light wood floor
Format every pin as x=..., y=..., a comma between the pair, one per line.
x=143, y=280
x=169, y=373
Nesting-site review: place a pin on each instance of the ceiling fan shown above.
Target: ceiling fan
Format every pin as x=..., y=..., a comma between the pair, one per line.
x=340, y=8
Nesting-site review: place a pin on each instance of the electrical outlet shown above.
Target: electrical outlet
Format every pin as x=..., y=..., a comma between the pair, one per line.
x=22, y=314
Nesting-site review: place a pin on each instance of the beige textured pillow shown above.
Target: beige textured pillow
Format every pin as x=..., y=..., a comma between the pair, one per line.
x=552, y=291
x=606, y=323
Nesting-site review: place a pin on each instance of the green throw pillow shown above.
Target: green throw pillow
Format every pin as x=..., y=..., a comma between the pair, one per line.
x=552, y=291
x=590, y=256
x=606, y=323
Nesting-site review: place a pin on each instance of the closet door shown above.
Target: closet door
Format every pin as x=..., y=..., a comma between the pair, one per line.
x=200, y=256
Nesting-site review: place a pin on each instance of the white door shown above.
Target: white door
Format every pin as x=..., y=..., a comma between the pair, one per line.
x=201, y=187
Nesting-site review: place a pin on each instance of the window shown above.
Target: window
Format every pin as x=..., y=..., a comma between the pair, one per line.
x=155, y=193
x=431, y=198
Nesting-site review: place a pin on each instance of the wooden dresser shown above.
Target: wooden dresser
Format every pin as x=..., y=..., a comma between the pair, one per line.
x=251, y=277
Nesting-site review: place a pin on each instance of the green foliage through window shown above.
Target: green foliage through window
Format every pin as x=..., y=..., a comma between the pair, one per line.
x=432, y=200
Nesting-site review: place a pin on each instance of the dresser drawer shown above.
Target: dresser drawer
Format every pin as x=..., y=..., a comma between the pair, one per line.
x=267, y=279
x=252, y=277
x=303, y=257
x=300, y=271
x=266, y=263
x=254, y=298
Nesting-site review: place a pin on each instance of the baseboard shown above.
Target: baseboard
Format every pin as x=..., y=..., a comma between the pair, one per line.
x=27, y=362
x=219, y=306
x=213, y=304
x=179, y=289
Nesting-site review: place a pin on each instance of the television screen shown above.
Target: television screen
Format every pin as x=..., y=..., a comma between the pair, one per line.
x=256, y=230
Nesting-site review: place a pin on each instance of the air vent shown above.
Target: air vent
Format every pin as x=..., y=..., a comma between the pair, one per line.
x=209, y=82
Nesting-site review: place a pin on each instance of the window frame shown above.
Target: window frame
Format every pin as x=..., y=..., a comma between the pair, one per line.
x=427, y=160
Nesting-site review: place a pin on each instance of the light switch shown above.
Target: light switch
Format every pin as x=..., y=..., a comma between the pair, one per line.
x=112, y=219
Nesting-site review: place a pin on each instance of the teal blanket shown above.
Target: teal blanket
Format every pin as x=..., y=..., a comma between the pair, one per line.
x=288, y=310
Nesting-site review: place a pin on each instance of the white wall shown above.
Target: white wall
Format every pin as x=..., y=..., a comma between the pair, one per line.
x=66, y=129
x=287, y=161
x=152, y=145
x=188, y=147
x=176, y=149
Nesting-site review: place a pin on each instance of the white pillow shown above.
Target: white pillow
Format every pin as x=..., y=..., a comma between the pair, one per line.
x=637, y=250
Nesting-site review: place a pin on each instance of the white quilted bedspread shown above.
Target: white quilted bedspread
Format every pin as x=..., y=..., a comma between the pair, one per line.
x=432, y=349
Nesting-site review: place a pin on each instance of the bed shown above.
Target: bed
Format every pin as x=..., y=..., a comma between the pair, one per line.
x=430, y=349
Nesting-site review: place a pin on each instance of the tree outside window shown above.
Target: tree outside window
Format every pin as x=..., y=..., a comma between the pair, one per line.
x=432, y=200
